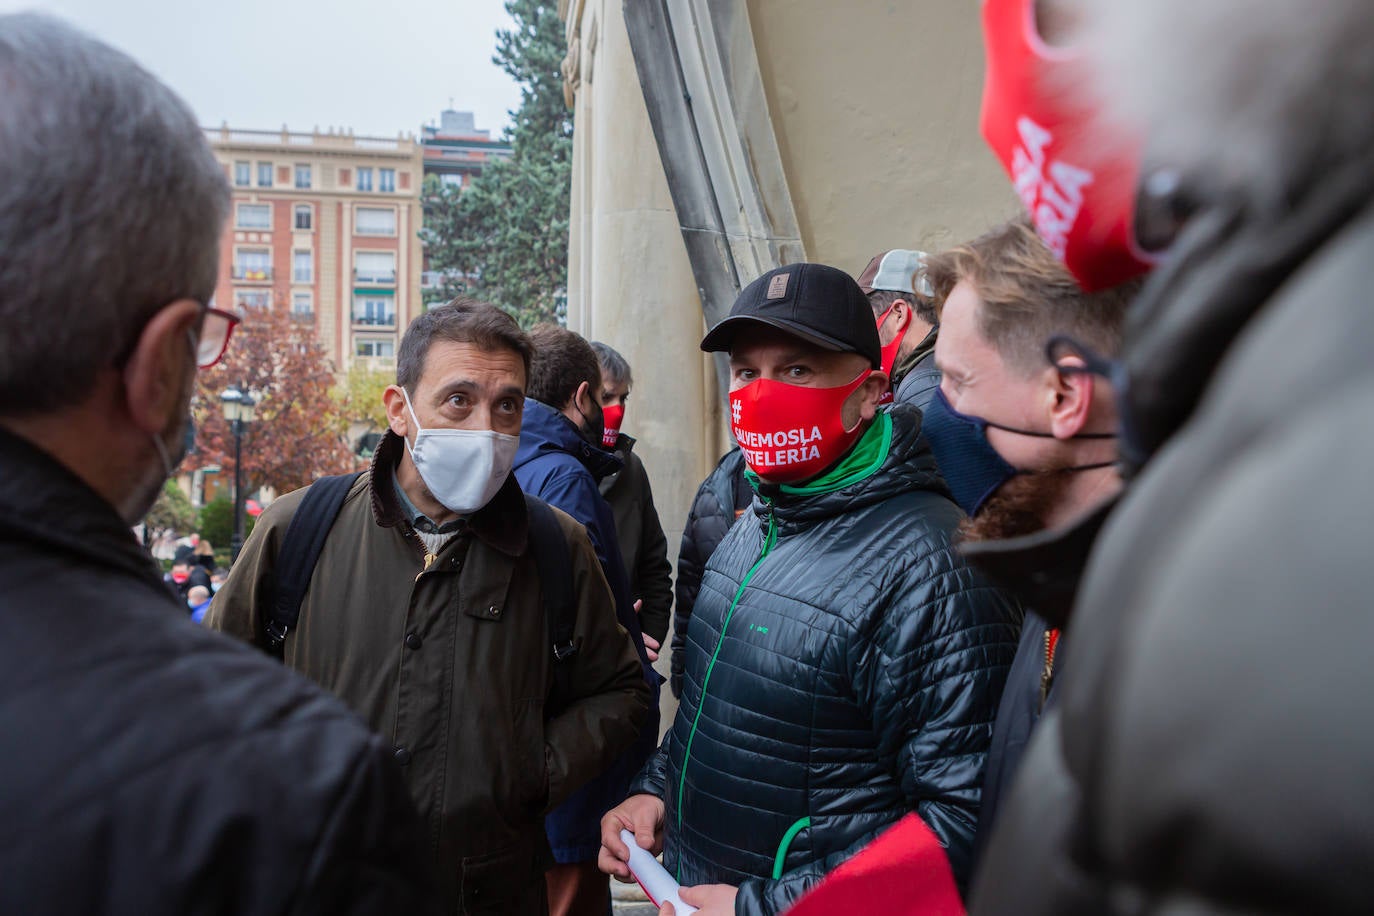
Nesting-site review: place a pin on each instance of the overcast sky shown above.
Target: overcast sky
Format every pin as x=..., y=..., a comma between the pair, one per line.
x=377, y=66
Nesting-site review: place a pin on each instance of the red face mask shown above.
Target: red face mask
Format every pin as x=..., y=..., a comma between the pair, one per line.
x=612, y=417
x=180, y=576
x=1080, y=193
x=789, y=433
x=890, y=351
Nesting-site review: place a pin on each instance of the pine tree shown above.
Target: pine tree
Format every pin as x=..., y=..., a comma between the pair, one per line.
x=508, y=232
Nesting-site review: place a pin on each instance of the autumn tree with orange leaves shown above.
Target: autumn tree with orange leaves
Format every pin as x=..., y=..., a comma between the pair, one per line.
x=298, y=432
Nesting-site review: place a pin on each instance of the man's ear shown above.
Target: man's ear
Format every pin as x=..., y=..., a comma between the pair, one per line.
x=397, y=417
x=1070, y=397
x=155, y=374
x=901, y=314
x=865, y=398
x=583, y=398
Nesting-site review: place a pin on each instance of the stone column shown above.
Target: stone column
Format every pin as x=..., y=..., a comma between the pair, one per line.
x=629, y=281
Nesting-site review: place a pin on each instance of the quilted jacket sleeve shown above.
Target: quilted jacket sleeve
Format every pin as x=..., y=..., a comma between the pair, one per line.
x=930, y=668
x=653, y=779
x=707, y=523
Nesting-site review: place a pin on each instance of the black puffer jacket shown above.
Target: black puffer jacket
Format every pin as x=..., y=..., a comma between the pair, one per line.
x=150, y=766
x=857, y=680
x=719, y=500
x=1212, y=751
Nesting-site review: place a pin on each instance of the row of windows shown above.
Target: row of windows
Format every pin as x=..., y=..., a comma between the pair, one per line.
x=377, y=267
x=369, y=311
x=304, y=175
x=366, y=220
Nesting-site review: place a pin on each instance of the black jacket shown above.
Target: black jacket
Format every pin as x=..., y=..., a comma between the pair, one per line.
x=643, y=546
x=915, y=378
x=857, y=680
x=720, y=499
x=1212, y=750
x=151, y=766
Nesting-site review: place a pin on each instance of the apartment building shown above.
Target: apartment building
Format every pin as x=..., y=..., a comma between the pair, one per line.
x=325, y=225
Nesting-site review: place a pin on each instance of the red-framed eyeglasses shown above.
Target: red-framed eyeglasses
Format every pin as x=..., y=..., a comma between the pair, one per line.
x=215, y=332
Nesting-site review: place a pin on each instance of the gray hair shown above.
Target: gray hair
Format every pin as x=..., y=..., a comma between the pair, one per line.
x=111, y=207
x=612, y=363
x=1246, y=96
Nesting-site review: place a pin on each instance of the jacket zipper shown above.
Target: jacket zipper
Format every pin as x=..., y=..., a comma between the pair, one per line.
x=1047, y=674
x=769, y=540
x=424, y=552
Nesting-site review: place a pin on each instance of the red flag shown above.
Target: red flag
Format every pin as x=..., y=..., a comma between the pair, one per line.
x=904, y=872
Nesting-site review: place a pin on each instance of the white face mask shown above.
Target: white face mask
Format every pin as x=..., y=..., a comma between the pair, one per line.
x=463, y=468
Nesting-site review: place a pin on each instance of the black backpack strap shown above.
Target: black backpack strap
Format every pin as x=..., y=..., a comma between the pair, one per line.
x=300, y=551
x=551, y=557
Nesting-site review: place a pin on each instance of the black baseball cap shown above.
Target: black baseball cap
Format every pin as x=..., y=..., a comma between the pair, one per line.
x=820, y=304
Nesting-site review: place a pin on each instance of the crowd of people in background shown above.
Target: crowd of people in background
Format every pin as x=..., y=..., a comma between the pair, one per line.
x=1034, y=582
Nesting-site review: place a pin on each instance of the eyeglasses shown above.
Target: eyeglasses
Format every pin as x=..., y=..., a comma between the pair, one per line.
x=215, y=332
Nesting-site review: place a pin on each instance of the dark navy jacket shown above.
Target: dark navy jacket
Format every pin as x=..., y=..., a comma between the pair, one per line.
x=557, y=465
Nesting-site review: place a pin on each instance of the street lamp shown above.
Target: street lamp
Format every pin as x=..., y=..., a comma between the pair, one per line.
x=238, y=410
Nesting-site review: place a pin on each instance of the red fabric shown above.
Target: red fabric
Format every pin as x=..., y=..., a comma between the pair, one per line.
x=789, y=432
x=903, y=872
x=1079, y=191
x=612, y=416
x=890, y=352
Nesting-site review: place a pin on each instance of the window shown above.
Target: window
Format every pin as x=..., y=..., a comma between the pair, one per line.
x=302, y=176
x=302, y=305
x=452, y=180
x=371, y=346
x=251, y=298
x=264, y=174
x=304, y=216
x=375, y=310
x=364, y=179
x=375, y=266
x=253, y=216
x=253, y=264
x=386, y=180
x=302, y=267
x=375, y=221
x=243, y=174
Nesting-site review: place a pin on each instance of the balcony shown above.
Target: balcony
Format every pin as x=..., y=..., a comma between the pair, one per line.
x=253, y=274
x=384, y=320
x=376, y=277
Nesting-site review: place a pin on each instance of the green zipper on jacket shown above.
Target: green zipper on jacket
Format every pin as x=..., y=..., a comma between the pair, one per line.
x=769, y=540
x=786, y=844
x=863, y=460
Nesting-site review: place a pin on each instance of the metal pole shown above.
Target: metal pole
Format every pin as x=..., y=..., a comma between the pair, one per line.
x=237, y=542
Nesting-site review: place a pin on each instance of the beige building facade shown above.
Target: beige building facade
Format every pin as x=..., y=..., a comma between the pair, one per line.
x=326, y=225
x=717, y=139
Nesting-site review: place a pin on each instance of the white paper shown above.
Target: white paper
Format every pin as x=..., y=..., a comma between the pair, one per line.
x=653, y=877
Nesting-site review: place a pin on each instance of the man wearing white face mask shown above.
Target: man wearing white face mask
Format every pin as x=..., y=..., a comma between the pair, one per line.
x=426, y=612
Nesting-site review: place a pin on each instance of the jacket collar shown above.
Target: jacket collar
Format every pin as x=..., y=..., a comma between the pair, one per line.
x=910, y=361
x=502, y=523
x=42, y=502
x=910, y=465
x=545, y=431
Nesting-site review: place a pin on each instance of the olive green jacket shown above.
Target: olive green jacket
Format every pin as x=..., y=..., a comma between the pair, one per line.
x=449, y=658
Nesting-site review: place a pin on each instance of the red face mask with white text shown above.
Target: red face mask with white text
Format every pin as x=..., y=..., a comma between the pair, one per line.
x=1080, y=194
x=612, y=417
x=789, y=433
